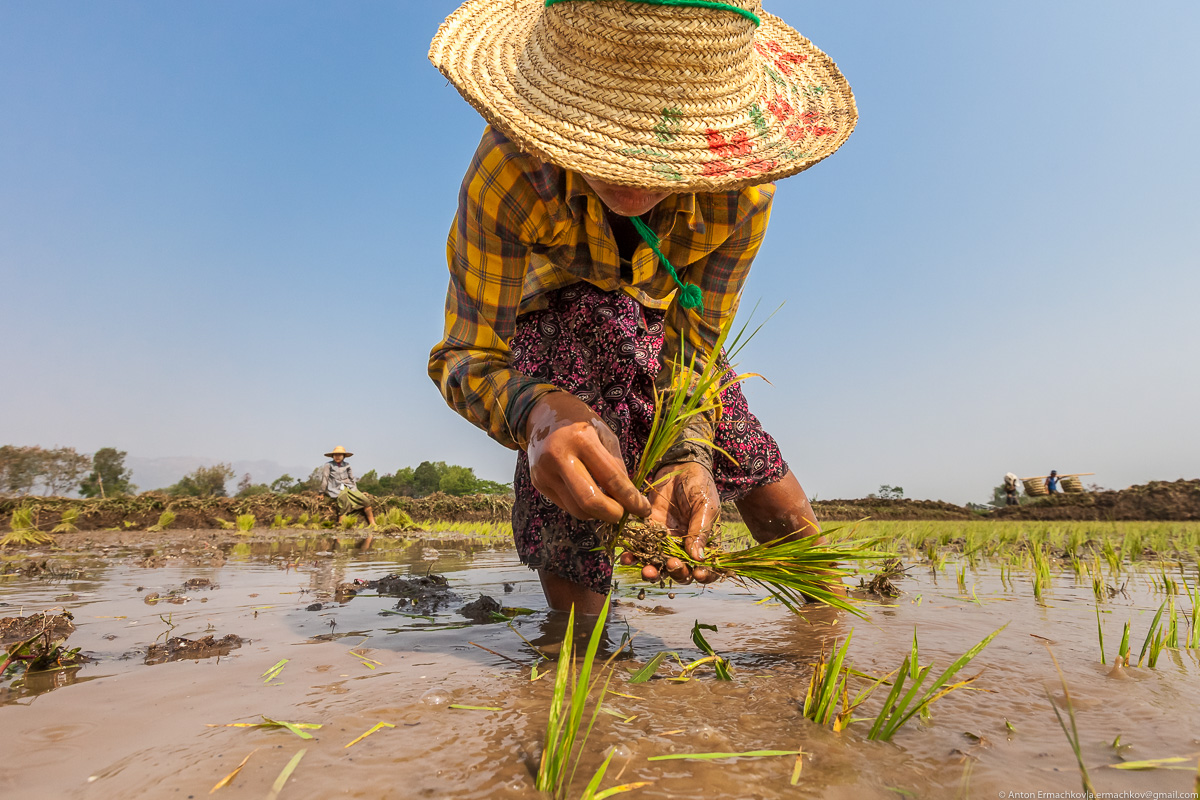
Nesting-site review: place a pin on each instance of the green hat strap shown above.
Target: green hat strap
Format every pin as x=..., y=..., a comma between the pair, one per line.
x=750, y=15
x=689, y=293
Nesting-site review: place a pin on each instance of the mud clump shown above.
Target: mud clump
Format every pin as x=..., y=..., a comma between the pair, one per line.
x=424, y=594
x=19, y=629
x=43, y=568
x=177, y=648
x=37, y=643
x=198, y=583
x=485, y=609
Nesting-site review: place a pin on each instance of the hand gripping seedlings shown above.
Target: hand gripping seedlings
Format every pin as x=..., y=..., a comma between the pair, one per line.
x=790, y=569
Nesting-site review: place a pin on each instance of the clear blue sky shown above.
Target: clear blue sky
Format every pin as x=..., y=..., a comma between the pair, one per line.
x=222, y=232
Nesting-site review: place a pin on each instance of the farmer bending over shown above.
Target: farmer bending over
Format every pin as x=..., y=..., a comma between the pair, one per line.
x=606, y=224
x=337, y=481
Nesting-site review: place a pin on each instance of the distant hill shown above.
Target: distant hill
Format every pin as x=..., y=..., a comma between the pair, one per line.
x=159, y=473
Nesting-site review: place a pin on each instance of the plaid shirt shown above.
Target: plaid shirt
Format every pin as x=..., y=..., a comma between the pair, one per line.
x=524, y=228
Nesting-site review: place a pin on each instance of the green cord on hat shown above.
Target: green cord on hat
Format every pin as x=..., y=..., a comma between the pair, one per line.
x=750, y=15
x=689, y=293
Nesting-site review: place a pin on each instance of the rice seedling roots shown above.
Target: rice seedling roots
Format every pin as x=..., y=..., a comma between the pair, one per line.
x=650, y=544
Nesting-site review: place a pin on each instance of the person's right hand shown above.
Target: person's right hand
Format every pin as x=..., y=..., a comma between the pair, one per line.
x=575, y=461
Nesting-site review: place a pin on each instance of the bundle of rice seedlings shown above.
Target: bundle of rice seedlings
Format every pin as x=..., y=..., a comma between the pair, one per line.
x=24, y=532
x=830, y=682
x=164, y=519
x=900, y=706
x=245, y=522
x=790, y=569
x=395, y=520
x=223, y=523
x=66, y=523
x=568, y=726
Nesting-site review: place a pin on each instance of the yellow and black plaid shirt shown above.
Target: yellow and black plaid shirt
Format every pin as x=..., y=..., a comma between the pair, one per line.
x=525, y=228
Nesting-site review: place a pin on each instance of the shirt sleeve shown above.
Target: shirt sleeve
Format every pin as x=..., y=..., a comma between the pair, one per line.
x=488, y=253
x=720, y=275
x=323, y=470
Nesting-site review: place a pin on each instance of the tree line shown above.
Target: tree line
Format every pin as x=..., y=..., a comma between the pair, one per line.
x=61, y=470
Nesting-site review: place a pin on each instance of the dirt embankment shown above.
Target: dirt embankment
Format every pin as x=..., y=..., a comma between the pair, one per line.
x=143, y=511
x=873, y=508
x=1156, y=500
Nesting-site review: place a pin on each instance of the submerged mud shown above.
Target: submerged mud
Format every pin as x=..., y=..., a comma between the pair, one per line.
x=115, y=728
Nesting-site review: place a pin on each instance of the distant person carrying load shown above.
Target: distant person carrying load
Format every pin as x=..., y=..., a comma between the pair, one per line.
x=337, y=481
x=1010, y=490
x=1052, y=482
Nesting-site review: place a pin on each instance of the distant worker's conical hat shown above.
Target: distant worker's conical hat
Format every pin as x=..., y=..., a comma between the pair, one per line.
x=336, y=451
x=668, y=95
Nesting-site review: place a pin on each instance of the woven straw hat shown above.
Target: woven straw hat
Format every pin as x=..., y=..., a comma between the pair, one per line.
x=335, y=451
x=668, y=95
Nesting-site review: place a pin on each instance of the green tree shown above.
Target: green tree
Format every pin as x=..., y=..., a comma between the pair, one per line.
x=247, y=488
x=62, y=469
x=371, y=484
x=492, y=487
x=204, y=482
x=402, y=482
x=20, y=468
x=458, y=481
x=427, y=477
x=109, y=477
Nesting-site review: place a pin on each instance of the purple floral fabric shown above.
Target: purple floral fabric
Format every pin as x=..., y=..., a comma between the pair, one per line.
x=604, y=347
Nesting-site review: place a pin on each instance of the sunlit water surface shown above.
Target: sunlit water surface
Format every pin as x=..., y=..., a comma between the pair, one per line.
x=117, y=728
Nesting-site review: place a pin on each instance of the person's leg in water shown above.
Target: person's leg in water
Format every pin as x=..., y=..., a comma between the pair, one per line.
x=562, y=594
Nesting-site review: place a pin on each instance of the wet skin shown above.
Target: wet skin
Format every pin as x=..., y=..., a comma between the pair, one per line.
x=575, y=461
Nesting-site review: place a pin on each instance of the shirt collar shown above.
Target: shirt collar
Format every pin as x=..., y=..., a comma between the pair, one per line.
x=684, y=203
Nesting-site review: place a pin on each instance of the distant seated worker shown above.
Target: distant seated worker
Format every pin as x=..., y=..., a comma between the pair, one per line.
x=337, y=481
x=1052, y=482
x=1011, y=482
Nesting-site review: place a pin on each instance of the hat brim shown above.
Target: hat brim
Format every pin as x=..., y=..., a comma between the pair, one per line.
x=794, y=109
x=331, y=455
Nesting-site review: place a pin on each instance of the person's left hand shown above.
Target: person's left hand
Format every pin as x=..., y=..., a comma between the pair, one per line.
x=688, y=504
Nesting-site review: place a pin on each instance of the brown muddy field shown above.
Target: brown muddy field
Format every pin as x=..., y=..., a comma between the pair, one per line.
x=133, y=723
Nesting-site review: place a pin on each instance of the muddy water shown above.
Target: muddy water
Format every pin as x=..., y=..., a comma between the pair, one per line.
x=118, y=728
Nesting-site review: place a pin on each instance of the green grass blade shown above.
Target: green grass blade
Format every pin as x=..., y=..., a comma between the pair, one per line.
x=890, y=701
x=552, y=761
x=1155, y=763
x=624, y=787
x=284, y=774
x=589, y=792
x=647, y=671
x=1150, y=633
x=712, y=756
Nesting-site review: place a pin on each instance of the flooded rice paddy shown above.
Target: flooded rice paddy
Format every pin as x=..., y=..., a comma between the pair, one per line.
x=120, y=728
